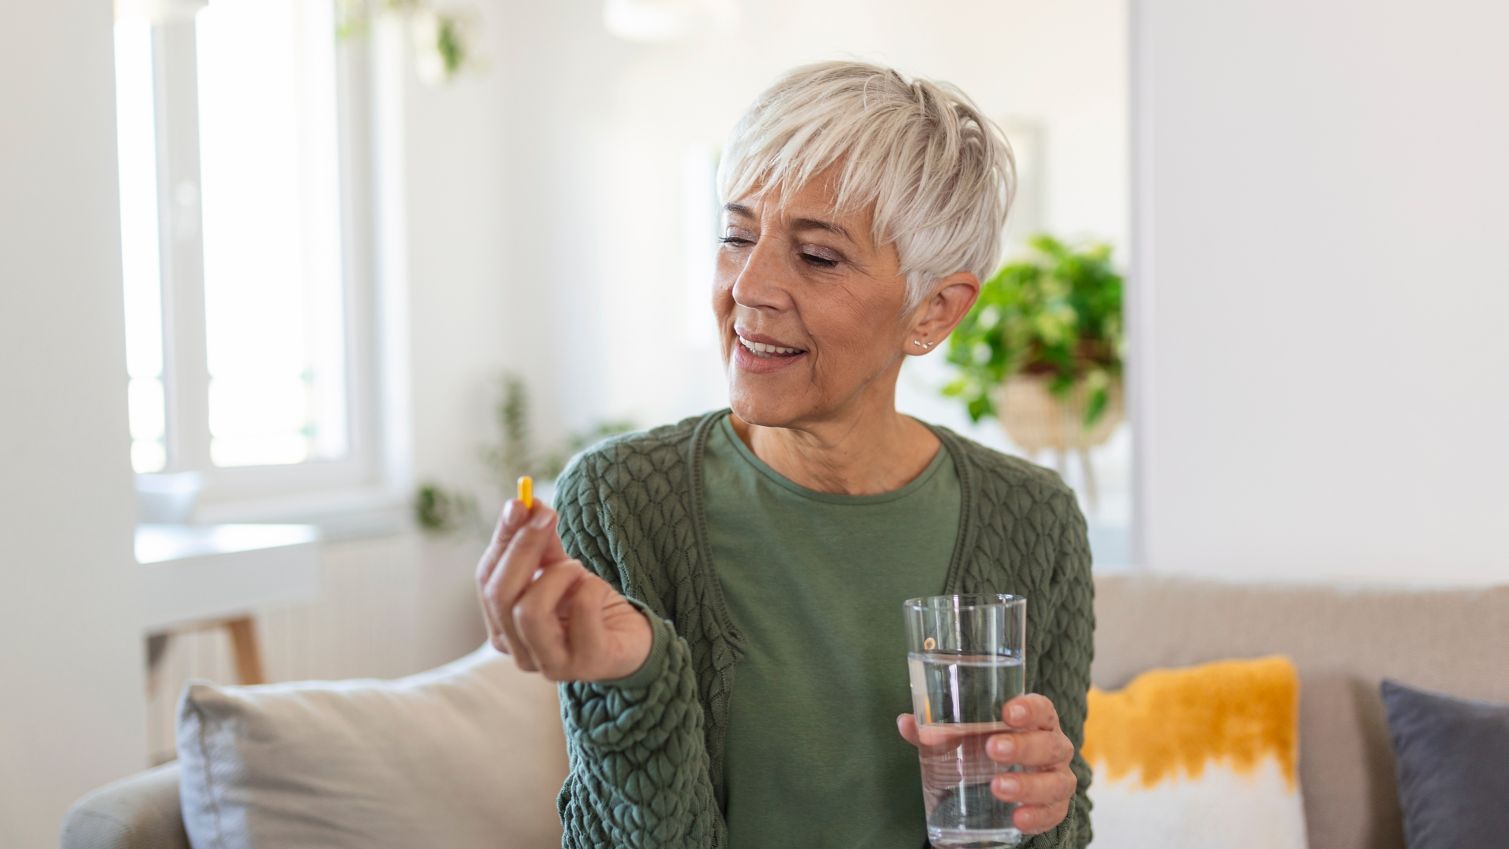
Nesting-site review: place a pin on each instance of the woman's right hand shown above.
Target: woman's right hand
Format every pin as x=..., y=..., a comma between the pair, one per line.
x=551, y=613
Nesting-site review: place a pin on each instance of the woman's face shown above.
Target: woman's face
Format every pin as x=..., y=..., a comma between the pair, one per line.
x=792, y=276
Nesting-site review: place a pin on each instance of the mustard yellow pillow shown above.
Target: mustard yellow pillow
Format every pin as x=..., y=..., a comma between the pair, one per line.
x=1200, y=756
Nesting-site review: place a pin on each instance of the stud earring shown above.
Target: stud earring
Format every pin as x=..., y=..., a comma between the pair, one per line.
x=922, y=344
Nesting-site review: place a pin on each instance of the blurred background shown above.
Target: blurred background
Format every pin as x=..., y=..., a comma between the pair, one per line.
x=293, y=289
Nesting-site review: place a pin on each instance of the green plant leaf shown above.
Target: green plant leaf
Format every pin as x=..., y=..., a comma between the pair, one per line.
x=979, y=407
x=1095, y=407
x=448, y=43
x=1054, y=310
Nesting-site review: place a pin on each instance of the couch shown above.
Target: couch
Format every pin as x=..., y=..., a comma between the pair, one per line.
x=1342, y=638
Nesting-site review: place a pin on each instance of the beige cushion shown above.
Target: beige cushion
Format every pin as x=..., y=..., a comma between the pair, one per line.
x=468, y=755
x=1344, y=640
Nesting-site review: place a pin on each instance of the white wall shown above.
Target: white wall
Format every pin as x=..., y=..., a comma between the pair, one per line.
x=72, y=716
x=1323, y=201
x=461, y=316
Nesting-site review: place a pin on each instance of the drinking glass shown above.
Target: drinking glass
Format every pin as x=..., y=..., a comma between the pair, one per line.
x=967, y=657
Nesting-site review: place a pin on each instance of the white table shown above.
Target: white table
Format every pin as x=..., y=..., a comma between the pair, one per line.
x=215, y=576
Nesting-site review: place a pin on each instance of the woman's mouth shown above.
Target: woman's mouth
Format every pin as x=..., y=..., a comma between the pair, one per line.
x=764, y=357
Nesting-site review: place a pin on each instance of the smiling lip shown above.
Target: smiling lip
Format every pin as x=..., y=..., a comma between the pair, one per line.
x=766, y=340
x=746, y=360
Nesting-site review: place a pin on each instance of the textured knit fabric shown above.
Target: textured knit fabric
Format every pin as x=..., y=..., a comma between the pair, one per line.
x=647, y=762
x=815, y=582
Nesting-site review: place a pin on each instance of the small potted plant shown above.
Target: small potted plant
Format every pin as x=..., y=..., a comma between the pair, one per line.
x=441, y=510
x=1042, y=350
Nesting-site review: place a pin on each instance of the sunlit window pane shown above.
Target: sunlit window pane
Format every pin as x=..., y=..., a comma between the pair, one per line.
x=259, y=417
x=268, y=163
x=136, y=153
x=144, y=396
x=148, y=455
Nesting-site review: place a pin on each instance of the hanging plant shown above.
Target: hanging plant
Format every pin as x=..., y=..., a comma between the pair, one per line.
x=443, y=39
x=1056, y=314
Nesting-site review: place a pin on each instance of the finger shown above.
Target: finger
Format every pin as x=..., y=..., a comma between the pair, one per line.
x=537, y=617
x=516, y=567
x=1031, y=748
x=500, y=631
x=1034, y=788
x=1030, y=710
x=554, y=551
x=492, y=613
x=938, y=737
x=509, y=520
x=1036, y=819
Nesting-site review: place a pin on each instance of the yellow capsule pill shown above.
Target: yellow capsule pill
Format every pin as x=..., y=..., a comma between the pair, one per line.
x=526, y=491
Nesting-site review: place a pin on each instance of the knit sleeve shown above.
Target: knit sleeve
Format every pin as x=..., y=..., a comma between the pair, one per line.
x=1064, y=657
x=638, y=765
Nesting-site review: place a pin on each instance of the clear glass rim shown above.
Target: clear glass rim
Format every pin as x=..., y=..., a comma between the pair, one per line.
x=964, y=601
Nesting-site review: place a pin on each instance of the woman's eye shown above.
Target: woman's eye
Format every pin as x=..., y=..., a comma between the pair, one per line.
x=814, y=260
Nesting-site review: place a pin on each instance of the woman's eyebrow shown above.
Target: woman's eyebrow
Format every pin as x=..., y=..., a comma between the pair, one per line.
x=816, y=224
x=796, y=223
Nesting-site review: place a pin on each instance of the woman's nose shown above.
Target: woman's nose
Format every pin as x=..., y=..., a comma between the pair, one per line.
x=760, y=282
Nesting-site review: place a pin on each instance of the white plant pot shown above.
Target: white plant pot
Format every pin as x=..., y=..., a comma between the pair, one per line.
x=168, y=498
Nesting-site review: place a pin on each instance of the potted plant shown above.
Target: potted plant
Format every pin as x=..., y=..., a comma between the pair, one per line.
x=441, y=510
x=1042, y=350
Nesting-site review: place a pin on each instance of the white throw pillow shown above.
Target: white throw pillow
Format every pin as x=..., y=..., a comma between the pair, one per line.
x=468, y=755
x=1198, y=757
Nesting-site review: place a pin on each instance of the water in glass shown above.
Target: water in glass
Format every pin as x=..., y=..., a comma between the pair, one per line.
x=957, y=699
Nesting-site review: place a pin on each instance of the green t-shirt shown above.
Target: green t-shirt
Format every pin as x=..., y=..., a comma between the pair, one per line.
x=815, y=581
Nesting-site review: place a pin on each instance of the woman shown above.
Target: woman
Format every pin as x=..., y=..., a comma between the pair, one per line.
x=770, y=545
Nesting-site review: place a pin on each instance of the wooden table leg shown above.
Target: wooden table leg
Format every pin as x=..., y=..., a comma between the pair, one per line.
x=157, y=644
x=243, y=634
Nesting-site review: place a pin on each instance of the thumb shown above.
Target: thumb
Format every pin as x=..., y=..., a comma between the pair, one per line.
x=907, y=724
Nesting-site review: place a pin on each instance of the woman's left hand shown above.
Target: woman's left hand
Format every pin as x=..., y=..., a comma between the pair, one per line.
x=1045, y=786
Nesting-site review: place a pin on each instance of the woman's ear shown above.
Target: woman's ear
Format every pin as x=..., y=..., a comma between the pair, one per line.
x=946, y=306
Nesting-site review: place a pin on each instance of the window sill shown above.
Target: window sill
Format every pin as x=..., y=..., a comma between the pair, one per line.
x=339, y=515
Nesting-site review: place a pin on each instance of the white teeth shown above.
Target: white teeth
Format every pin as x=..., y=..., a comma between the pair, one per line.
x=761, y=348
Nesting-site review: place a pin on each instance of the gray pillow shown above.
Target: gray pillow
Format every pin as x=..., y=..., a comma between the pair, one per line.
x=1453, y=767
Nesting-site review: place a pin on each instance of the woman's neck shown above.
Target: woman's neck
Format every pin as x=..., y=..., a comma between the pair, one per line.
x=856, y=455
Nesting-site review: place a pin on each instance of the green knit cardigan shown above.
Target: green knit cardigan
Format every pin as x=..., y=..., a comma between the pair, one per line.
x=646, y=761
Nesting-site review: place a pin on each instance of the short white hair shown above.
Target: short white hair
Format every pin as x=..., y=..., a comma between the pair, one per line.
x=941, y=175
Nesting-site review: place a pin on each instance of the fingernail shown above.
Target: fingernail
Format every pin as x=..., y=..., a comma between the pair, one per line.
x=1018, y=713
x=542, y=521
x=512, y=513
x=1002, y=746
x=1008, y=785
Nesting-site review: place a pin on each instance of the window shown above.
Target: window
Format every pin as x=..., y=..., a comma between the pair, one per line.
x=241, y=141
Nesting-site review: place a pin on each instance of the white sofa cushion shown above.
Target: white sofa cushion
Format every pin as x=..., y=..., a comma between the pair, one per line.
x=469, y=754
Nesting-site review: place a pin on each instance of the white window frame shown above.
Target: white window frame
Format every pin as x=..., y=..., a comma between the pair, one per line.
x=291, y=492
